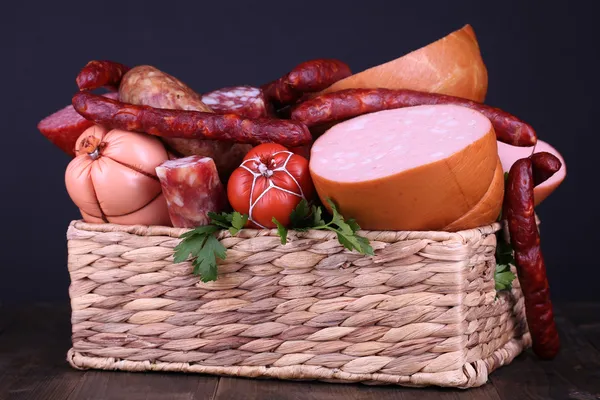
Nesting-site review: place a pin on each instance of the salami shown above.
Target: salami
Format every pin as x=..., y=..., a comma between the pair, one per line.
x=246, y=101
x=64, y=127
x=192, y=189
x=307, y=77
x=97, y=74
x=146, y=85
x=349, y=103
x=531, y=270
x=189, y=124
x=544, y=166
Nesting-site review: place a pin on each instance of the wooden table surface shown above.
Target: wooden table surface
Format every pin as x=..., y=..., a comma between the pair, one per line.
x=34, y=341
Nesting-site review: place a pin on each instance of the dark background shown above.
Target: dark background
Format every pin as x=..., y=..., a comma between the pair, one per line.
x=541, y=59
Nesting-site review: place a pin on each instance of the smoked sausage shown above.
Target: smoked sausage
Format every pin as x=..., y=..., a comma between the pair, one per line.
x=189, y=124
x=349, y=103
x=97, y=74
x=307, y=77
x=544, y=165
x=518, y=210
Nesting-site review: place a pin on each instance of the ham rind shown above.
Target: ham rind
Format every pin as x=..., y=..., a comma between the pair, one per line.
x=192, y=189
x=509, y=154
x=417, y=168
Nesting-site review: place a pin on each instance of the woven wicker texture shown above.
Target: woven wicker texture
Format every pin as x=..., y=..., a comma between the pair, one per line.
x=422, y=312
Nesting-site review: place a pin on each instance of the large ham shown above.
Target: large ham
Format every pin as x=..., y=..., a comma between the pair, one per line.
x=451, y=65
x=417, y=168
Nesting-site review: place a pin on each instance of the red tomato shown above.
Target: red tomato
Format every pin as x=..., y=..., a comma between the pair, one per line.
x=269, y=183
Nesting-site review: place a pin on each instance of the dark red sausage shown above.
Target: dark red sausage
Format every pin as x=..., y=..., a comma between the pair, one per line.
x=307, y=77
x=349, y=103
x=97, y=74
x=525, y=239
x=247, y=101
x=64, y=127
x=189, y=124
x=544, y=165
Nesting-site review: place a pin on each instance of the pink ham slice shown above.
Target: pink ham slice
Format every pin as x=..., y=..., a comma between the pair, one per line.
x=509, y=154
x=192, y=189
x=416, y=168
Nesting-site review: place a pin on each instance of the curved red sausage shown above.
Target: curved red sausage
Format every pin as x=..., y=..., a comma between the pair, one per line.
x=544, y=165
x=525, y=240
x=307, y=77
x=189, y=124
x=349, y=103
x=97, y=74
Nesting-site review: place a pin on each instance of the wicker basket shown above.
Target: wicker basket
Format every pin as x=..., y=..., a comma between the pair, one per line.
x=422, y=312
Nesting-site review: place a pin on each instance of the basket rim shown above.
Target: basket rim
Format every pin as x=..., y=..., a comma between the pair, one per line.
x=382, y=236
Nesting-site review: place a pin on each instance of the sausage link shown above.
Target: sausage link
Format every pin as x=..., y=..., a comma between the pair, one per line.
x=531, y=270
x=544, y=165
x=97, y=74
x=307, y=77
x=247, y=101
x=188, y=124
x=349, y=103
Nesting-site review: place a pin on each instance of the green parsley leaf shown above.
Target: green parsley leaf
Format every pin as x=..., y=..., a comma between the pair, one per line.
x=299, y=217
x=204, y=248
x=237, y=222
x=504, y=280
x=281, y=230
x=222, y=220
x=317, y=216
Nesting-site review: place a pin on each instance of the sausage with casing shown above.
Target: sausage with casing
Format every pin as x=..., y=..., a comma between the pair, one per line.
x=98, y=74
x=349, y=103
x=519, y=212
x=149, y=86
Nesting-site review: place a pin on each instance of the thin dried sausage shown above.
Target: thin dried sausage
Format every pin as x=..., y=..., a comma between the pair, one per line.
x=349, y=103
x=307, y=77
x=189, y=124
x=544, y=165
x=97, y=74
x=531, y=270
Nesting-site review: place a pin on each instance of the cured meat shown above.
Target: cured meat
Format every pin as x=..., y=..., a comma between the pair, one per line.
x=64, y=127
x=544, y=165
x=353, y=102
x=192, y=189
x=146, y=85
x=189, y=124
x=510, y=154
x=97, y=74
x=246, y=101
x=531, y=270
x=307, y=77
x=451, y=65
x=416, y=168
x=488, y=209
x=112, y=179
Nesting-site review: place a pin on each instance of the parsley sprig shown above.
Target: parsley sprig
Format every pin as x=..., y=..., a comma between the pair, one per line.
x=305, y=217
x=203, y=247
x=503, y=276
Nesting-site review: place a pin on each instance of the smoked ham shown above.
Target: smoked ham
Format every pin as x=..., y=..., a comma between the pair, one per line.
x=416, y=168
x=451, y=65
x=509, y=154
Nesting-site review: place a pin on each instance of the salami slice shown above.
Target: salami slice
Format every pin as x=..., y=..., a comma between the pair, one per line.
x=246, y=101
x=64, y=127
x=192, y=189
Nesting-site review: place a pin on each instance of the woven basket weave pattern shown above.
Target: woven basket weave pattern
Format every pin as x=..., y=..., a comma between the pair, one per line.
x=422, y=312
